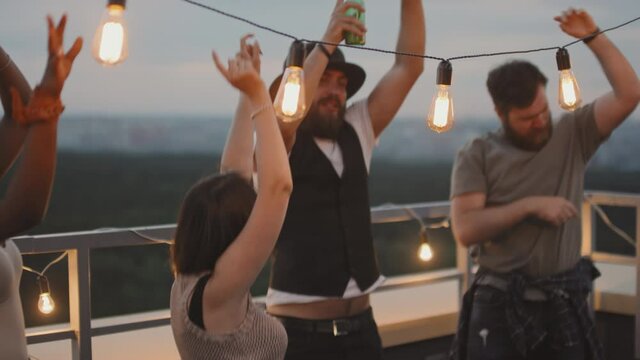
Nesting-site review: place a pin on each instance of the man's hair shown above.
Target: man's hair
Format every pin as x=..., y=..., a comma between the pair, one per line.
x=212, y=215
x=514, y=84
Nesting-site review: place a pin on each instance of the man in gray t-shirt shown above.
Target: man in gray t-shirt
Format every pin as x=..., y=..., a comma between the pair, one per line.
x=506, y=174
x=515, y=194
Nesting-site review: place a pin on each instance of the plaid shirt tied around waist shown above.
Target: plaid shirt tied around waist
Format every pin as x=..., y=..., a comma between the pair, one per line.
x=567, y=292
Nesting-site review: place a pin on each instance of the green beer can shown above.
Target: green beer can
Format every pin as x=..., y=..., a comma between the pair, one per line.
x=351, y=38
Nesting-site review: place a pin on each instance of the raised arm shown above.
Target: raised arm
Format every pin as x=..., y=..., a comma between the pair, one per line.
x=238, y=150
x=11, y=134
x=316, y=62
x=253, y=246
x=27, y=196
x=612, y=108
x=390, y=92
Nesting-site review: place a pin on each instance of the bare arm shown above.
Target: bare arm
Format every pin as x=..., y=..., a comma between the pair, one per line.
x=316, y=62
x=26, y=201
x=12, y=136
x=612, y=108
x=253, y=246
x=27, y=197
x=389, y=94
x=475, y=223
x=238, y=150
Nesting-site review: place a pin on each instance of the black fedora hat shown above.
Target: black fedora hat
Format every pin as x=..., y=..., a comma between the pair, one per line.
x=354, y=73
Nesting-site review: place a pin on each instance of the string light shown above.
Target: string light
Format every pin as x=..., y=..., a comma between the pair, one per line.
x=290, y=102
x=110, y=44
x=424, y=253
x=569, y=96
x=152, y=239
x=440, y=118
x=46, y=305
x=605, y=218
x=263, y=27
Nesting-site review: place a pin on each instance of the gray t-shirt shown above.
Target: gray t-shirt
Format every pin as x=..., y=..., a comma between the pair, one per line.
x=492, y=165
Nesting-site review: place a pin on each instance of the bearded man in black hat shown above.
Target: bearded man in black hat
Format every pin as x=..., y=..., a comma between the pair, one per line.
x=324, y=264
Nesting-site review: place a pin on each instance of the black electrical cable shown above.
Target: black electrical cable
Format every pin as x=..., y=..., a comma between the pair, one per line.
x=358, y=47
x=240, y=19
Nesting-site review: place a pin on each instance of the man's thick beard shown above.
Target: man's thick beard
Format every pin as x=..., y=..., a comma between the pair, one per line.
x=322, y=126
x=524, y=142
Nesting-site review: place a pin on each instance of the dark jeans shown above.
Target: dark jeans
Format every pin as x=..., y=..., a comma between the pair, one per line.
x=307, y=345
x=489, y=337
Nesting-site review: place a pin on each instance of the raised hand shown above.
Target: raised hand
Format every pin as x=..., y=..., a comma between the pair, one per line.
x=59, y=63
x=339, y=23
x=577, y=23
x=253, y=50
x=241, y=71
x=45, y=104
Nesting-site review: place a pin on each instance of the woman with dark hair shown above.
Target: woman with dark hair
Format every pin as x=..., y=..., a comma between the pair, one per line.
x=226, y=232
x=29, y=125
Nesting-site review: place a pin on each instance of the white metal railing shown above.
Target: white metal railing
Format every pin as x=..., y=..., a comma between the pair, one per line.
x=588, y=240
x=79, y=245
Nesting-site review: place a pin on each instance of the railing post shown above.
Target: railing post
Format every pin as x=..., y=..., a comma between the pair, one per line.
x=588, y=228
x=637, y=334
x=464, y=267
x=80, y=303
x=588, y=241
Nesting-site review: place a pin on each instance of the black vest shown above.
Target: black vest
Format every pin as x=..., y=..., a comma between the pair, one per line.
x=326, y=237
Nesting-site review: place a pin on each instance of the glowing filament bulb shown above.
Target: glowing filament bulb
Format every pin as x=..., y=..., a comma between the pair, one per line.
x=569, y=96
x=291, y=97
x=110, y=41
x=425, y=253
x=441, y=112
x=440, y=118
x=46, y=305
x=289, y=102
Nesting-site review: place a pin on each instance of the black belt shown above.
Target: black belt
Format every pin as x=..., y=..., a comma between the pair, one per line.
x=337, y=327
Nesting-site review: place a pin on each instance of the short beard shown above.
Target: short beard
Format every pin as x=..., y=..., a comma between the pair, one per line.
x=321, y=125
x=524, y=142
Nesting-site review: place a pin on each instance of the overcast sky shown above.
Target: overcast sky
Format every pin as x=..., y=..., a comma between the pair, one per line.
x=169, y=69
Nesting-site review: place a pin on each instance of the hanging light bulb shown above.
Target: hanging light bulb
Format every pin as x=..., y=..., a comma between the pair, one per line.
x=440, y=117
x=46, y=305
x=569, y=96
x=424, y=253
x=110, y=41
x=290, y=102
